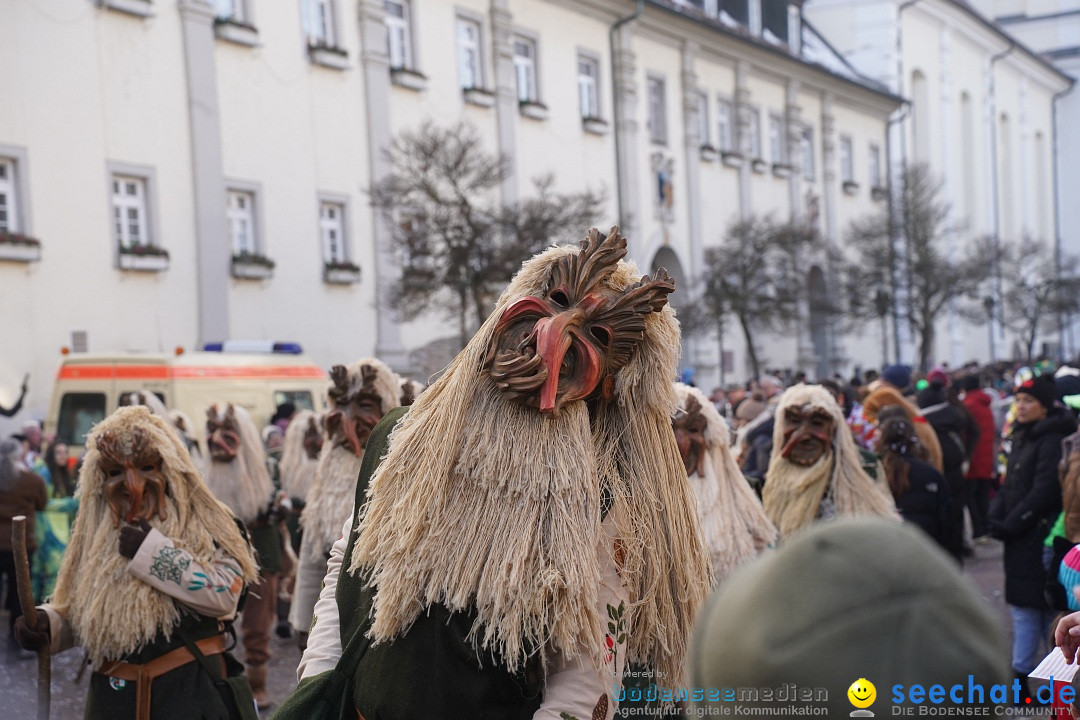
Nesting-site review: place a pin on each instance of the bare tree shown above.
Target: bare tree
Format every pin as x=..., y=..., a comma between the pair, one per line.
x=928, y=274
x=1037, y=289
x=755, y=276
x=456, y=245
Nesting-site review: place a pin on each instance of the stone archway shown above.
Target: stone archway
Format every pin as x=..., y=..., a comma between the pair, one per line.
x=666, y=258
x=818, y=296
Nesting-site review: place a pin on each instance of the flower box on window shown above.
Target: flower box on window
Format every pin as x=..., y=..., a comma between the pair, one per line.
x=878, y=193
x=759, y=165
x=850, y=187
x=731, y=158
x=341, y=273
x=408, y=78
x=709, y=153
x=236, y=31
x=19, y=248
x=138, y=8
x=148, y=258
x=250, y=266
x=781, y=170
x=594, y=125
x=533, y=109
x=328, y=56
x=479, y=96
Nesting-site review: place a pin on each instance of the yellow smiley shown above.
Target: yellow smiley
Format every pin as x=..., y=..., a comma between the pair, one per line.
x=862, y=693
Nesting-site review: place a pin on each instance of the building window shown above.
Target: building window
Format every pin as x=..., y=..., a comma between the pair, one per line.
x=776, y=139
x=723, y=120
x=399, y=43
x=233, y=10
x=703, y=119
x=318, y=19
x=657, y=116
x=9, y=201
x=875, y=166
x=332, y=231
x=806, y=144
x=469, y=58
x=588, y=74
x=753, y=129
x=525, y=69
x=847, y=166
x=129, y=206
x=240, y=212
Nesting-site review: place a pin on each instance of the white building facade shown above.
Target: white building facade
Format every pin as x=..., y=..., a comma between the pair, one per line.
x=1052, y=29
x=175, y=172
x=980, y=115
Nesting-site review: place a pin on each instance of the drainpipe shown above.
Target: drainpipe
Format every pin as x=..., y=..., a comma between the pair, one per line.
x=1057, y=213
x=900, y=241
x=616, y=111
x=995, y=191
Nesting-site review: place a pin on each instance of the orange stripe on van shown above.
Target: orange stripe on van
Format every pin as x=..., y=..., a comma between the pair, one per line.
x=163, y=372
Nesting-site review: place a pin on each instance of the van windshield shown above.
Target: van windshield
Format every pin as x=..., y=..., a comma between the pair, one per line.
x=79, y=412
x=300, y=398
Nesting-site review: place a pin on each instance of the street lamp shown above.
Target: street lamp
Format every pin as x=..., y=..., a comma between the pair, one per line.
x=988, y=306
x=881, y=307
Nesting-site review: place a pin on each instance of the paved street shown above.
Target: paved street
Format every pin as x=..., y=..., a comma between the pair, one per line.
x=17, y=682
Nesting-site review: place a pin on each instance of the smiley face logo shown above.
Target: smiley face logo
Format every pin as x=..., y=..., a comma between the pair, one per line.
x=862, y=693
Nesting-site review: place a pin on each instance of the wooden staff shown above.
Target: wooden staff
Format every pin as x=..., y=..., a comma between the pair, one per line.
x=29, y=610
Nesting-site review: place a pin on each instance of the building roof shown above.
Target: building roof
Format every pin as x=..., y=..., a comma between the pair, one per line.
x=996, y=28
x=814, y=51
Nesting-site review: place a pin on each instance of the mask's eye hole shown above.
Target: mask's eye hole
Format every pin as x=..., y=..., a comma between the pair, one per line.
x=116, y=472
x=559, y=298
x=601, y=334
x=148, y=468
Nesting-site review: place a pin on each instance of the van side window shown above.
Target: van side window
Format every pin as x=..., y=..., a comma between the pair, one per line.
x=120, y=397
x=78, y=413
x=300, y=398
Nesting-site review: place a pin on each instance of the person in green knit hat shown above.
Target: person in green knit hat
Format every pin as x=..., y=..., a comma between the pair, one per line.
x=526, y=528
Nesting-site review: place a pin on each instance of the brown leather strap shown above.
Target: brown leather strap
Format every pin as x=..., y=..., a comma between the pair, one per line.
x=143, y=675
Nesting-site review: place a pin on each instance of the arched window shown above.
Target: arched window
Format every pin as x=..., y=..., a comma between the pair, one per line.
x=920, y=110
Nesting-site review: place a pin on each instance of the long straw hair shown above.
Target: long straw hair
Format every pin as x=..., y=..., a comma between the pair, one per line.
x=244, y=483
x=296, y=469
x=733, y=522
x=483, y=503
x=789, y=501
x=333, y=491
x=111, y=612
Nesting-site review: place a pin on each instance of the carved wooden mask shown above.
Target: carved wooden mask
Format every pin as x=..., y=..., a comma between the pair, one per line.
x=135, y=484
x=568, y=344
x=223, y=435
x=355, y=412
x=807, y=434
x=689, y=426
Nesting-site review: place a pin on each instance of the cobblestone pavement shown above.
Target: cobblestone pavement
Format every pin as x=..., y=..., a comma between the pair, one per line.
x=18, y=674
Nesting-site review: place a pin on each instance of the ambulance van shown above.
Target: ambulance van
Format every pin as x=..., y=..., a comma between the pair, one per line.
x=258, y=376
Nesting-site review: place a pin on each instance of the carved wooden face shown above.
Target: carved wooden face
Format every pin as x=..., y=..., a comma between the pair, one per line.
x=313, y=439
x=807, y=434
x=568, y=344
x=689, y=426
x=356, y=411
x=223, y=434
x=135, y=484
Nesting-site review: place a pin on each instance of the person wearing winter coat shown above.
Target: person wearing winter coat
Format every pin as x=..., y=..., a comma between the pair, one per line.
x=952, y=427
x=920, y=491
x=1024, y=510
x=981, y=469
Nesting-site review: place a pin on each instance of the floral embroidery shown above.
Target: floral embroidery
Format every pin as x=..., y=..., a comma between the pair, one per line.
x=616, y=634
x=168, y=565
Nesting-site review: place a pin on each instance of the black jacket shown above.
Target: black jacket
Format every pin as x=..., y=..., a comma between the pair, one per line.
x=1028, y=503
x=926, y=501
